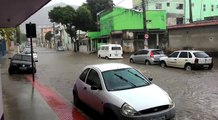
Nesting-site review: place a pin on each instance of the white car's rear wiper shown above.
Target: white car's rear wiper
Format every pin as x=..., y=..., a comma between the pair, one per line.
x=125, y=80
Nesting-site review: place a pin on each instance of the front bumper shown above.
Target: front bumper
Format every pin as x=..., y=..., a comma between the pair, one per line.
x=161, y=115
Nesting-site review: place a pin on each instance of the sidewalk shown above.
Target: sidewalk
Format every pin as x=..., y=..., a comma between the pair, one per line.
x=23, y=102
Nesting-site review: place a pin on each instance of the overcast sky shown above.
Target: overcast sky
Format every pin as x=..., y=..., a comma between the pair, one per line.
x=122, y=3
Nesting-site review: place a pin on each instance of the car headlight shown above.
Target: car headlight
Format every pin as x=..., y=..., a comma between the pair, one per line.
x=128, y=110
x=171, y=103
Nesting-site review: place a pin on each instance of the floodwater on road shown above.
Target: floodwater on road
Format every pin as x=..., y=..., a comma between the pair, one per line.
x=195, y=93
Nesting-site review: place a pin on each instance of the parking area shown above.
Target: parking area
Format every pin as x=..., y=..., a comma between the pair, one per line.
x=194, y=92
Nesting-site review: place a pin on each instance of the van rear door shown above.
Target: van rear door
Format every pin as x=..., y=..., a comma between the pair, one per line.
x=116, y=51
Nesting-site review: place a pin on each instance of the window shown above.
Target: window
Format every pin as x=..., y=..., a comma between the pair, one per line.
x=212, y=9
x=157, y=52
x=121, y=79
x=144, y=52
x=102, y=48
x=158, y=6
x=174, y=55
x=168, y=4
x=201, y=55
x=84, y=74
x=189, y=55
x=93, y=79
x=17, y=57
x=116, y=48
x=183, y=55
x=204, y=7
x=179, y=6
x=107, y=48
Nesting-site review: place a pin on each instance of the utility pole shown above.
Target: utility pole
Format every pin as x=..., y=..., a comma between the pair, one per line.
x=144, y=24
x=190, y=12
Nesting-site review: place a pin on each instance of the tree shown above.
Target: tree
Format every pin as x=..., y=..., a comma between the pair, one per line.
x=73, y=20
x=83, y=18
x=66, y=16
x=96, y=6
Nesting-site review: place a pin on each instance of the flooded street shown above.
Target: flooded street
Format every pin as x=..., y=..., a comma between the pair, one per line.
x=194, y=92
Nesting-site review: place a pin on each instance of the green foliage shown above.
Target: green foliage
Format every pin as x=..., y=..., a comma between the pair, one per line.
x=48, y=36
x=64, y=15
x=96, y=6
x=83, y=18
x=10, y=33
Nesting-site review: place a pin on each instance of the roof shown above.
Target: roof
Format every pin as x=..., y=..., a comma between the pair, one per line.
x=108, y=66
x=196, y=24
x=188, y=51
x=14, y=12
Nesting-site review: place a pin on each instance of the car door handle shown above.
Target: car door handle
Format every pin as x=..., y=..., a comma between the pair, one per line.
x=84, y=88
x=186, y=60
x=174, y=59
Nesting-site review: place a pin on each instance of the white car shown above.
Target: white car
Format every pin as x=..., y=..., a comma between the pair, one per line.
x=110, y=51
x=187, y=59
x=28, y=52
x=120, y=92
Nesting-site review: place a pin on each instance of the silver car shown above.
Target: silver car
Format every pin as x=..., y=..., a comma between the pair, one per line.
x=147, y=56
x=120, y=92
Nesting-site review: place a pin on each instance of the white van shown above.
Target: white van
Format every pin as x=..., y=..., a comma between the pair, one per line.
x=110, y=51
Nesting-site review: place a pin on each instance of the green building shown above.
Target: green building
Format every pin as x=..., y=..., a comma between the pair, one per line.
x=202, y=10
x=173, y=8
x=125, y=27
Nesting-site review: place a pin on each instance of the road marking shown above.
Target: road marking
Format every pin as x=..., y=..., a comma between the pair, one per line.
x=63, y=109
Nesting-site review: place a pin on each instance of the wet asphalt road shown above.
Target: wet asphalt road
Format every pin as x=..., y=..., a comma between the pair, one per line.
x=194, y=92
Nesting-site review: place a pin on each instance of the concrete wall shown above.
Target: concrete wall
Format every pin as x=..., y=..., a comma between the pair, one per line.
x=202, y=38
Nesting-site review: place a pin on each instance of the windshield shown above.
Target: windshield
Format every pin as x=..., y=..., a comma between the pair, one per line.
x=116, y=48
x=124, y=79
x=201, y=55
x=22, y=57
x=157, y=52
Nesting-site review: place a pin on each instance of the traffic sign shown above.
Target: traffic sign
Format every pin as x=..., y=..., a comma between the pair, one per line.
x=146, y=36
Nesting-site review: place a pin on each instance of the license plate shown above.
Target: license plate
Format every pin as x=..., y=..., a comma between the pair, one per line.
x=205, y=65
x=116, y=54
x=23, y=68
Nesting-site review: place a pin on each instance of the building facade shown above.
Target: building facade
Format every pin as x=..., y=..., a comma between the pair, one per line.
x=126, y=27
x=173, y=8
x=198, y=36
x=202, y=10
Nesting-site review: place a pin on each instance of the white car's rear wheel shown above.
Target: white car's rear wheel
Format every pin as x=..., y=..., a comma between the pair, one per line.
x=188, y=67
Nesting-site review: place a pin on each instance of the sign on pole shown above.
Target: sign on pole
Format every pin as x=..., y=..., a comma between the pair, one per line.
x=146, y=36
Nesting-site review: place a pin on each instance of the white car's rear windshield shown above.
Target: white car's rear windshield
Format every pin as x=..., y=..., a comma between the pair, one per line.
x=201, y=55
x=124, y=79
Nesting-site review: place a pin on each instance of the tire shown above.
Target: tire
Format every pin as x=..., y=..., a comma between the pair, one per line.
x=147, y=62
x=107, y=58
x=99, y=56
x=10, y=71
x=210, y=67
x=76, y=99
x=188, y=67
x=163, y=64
x=131, y=60
x=109, y=115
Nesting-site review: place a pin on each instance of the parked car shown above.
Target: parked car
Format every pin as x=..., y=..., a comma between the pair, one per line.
x=119, y=91
x=110, y=51
x=188, y=59
x=20, y=63
x=147, y=56
x=60, y=48
x=28, y=52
